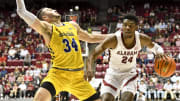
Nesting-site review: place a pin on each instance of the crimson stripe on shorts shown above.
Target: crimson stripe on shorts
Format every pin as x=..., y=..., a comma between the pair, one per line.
x=107, y=84
x=133, y=78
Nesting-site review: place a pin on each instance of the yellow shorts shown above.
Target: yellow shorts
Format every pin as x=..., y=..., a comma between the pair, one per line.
x=70, y=81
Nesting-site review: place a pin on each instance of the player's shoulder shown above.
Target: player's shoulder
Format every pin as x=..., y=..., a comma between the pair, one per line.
x=73, y=23
x=76, y=25
x=144, y=36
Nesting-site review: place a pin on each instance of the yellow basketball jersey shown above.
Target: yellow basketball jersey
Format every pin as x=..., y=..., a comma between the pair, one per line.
x=65, y=47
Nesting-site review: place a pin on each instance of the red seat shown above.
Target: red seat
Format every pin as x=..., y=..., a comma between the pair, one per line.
x=105, y=66
x=98, y=75
x=178, y=66
x=14, y=63
x=99, y=67
x=103, y=74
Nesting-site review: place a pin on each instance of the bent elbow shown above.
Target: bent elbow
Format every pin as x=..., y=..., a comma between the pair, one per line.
x=18, y=11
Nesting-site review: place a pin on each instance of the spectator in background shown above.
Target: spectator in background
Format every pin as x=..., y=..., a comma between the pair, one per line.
x=20, y=79
x=22, y=90
x=119, y=25
x=12, y=78
x=45, y=67
x=168, y=90
x=28, y=30
x=30, y=71
x=93, y=17
x=11, y=31
x=132, y=10
x=1, y=23
x=64, y=96
x=11, y=53
x=3, y=60
x=176, y=89
x=146, y=13
x=162, y=25
x=1, y=91
x=142, y=88
x=154, y=79
x=14, y=91
x=147, y=5
x=105, y=58
x=175, y=56
x=156, y=26
x=28, y=78
x=109, y=11
x=23, y=71
x=146, y=27
x=175, y=77
x=89, y=29
x=159, y=88
x=27, y=60
x=5, y=79
x=7, y=88
x=152, y=13
x=104, y=29
x=16, y=72
x=23, y=53
x=150, y=57
x=152, y=29
x=30, y=90
x=3, y=72
x=151, y=90
x=41, y=47
x=37, y=72
x=167, y=42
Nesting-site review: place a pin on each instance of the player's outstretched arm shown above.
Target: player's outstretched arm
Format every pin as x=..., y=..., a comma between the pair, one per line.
x=40, y=26
x=109, y=42
x=90, y=38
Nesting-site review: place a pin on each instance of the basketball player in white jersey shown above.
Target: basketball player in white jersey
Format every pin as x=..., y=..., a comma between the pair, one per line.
x=124, y=47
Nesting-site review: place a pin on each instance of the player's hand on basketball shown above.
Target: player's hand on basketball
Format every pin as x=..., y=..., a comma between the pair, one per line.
x=161, y=56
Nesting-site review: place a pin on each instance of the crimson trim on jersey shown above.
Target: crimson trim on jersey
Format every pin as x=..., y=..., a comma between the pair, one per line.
x=111, y=86
x=133, y=78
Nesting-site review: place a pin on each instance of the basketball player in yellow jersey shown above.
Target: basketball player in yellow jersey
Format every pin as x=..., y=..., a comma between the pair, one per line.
x=63, y=40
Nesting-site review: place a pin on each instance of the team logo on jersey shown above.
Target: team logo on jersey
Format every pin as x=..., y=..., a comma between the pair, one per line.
x=66, y=34
x=70, y=28
x=127, y=52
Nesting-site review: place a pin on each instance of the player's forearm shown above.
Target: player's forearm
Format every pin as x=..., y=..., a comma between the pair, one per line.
x=97, y=51
x=27, y=16
x=20, y=4
x=98, y=38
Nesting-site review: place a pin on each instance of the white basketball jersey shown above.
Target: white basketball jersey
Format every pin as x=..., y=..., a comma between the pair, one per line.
x=121, y=58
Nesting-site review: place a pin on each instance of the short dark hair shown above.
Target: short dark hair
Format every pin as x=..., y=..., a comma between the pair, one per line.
x=131, y=17
x=39, y=13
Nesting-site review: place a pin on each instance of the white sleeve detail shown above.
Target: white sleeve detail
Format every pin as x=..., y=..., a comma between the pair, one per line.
x=157, y=49
x=27, y=16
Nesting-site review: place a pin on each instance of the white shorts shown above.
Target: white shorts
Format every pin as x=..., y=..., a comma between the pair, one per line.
x=114, y=81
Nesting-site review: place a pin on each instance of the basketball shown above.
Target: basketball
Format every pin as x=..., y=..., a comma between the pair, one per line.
x=165, y=67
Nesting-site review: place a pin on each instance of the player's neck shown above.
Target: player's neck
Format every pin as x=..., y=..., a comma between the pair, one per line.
x=129, y=42
x=57, y=23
